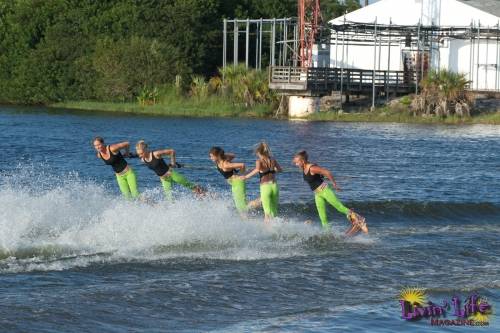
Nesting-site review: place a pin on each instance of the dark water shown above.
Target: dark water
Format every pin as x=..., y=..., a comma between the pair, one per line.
x=75, y=257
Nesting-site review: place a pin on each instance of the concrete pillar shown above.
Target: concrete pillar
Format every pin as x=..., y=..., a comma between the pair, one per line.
x=299, y=106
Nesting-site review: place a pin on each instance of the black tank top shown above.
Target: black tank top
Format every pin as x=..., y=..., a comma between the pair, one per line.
x=227, y=174
x=269, y=171
x=158, y=165
x=117, y=161
x=315, y=180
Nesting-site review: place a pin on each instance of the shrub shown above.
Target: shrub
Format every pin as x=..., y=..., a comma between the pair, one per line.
x=246, y=86
x=443, y=93
x=125, y=67
x=405, y=100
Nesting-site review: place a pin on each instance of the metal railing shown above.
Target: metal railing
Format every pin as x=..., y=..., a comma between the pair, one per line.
x=288, y=74
x=347, y=79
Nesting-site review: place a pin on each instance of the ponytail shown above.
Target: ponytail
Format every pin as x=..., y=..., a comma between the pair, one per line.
x=217, y=152
x=142, y=145
x=263, y=149
x=302, y=155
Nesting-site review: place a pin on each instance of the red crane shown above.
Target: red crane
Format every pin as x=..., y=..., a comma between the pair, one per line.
x=309, y=16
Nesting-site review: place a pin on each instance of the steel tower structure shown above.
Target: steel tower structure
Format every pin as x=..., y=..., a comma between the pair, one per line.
x=309, y=18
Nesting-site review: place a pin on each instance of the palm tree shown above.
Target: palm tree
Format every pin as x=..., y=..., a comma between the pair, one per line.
x=199, y=87
x=452, y=90
x=443, y=91
x=246, y=86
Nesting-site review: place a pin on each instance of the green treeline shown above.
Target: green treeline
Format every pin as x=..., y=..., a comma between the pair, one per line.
x=111, y=50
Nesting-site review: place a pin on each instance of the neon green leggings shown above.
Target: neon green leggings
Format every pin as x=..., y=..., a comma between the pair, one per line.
x=324, y=196
x=239, y=189
x=269, y=195
x=128, y=184
x=174, y=177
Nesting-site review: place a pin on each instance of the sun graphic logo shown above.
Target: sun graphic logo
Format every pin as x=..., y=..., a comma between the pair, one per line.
x=415, y=306
x=484, y=315
x=413, y=295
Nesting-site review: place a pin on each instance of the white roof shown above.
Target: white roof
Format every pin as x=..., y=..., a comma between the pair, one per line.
x=489, y=6
x=448, y=13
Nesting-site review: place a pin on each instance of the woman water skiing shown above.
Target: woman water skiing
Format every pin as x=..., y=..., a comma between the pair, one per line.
x=111, y=155
x=168, y=176
x=266, y=166
x=228, y=169
x=315, y=175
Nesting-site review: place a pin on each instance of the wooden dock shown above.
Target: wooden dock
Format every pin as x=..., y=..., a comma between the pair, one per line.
x=322, y=81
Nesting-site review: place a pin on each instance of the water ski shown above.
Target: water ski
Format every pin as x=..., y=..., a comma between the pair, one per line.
x=358, y=224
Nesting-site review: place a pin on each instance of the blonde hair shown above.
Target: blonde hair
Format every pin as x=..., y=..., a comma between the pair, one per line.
x=263, y=149
x=142, y=145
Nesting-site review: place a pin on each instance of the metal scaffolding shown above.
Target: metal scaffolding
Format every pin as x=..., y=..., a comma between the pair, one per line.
x=281, y=36
x=426, y=42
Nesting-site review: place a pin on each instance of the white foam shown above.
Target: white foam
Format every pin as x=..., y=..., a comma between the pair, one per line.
x=66, y=222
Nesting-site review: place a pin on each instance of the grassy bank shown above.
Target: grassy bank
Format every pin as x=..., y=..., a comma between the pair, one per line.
x=215, y=107
x=181, y=108
x=385, y=115
x=245, y=93
x=491, y=118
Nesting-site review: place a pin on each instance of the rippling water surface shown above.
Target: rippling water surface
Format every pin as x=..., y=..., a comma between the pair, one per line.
x=75, y=257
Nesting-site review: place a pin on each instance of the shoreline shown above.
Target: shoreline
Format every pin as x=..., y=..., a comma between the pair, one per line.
x=217, y=109
x=190, y=110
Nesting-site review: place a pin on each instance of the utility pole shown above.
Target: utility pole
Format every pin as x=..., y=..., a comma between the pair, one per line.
x=366, y=3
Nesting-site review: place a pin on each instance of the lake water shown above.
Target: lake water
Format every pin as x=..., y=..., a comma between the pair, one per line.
x=75, y=257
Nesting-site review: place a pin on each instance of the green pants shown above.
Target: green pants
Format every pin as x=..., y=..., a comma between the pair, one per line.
x=239, y=189
x=177, y=178
x=324, y=196
x=269, y=195
x=128, y=184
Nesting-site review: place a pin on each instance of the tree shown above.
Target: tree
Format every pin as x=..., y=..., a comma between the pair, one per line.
x=54, y=50
x=331, y=9
x=126, y=66
x=442, y=93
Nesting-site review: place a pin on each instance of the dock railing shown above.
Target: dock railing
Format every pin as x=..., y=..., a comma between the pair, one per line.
x=326, y=79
